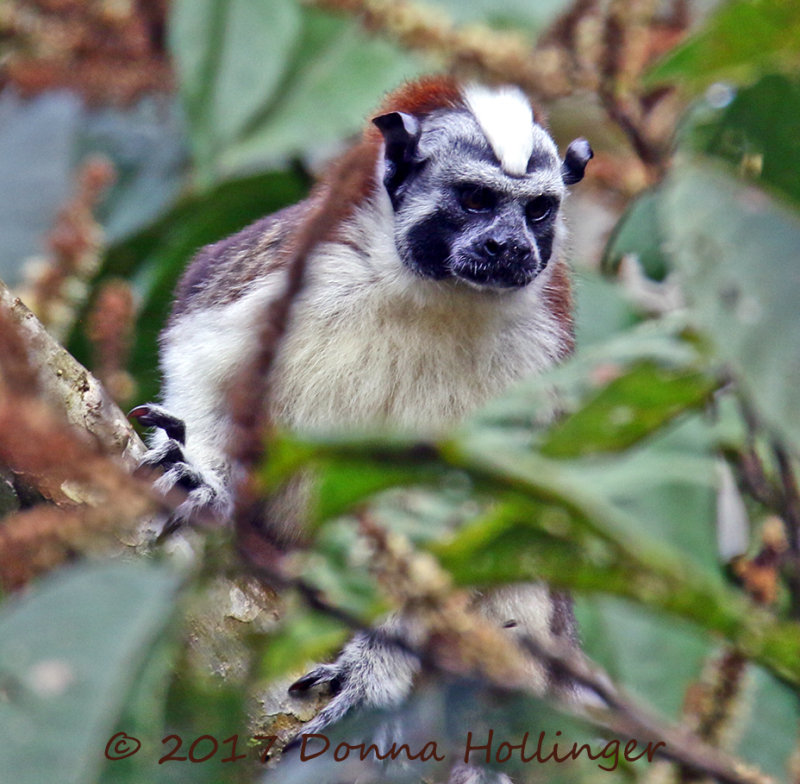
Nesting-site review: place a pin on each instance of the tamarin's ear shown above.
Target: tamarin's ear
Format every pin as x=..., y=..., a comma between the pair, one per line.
x=579, y=153
x=400, y=133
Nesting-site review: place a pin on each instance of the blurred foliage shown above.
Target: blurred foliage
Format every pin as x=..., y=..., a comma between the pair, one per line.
x=616, y=499
x=250, y=104
x=716, y=219
x=751, y=133
x=740, y=41
x=70, y=653
x=639, y=232
x=737, y=252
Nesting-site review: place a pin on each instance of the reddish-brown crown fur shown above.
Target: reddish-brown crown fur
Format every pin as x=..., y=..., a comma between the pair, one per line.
x=356, y=169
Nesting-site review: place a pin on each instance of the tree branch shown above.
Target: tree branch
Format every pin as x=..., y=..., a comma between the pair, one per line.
x=68, y=387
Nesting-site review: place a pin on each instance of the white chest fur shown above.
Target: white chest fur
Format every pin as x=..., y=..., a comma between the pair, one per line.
x=405, y=352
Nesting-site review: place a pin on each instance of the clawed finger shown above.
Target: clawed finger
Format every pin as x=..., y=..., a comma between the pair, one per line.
x=152, y=415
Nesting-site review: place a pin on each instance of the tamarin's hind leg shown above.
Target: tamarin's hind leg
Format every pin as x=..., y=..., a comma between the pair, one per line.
x=372, y=671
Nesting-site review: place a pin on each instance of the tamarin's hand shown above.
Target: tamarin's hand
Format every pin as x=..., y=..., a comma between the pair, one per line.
x=205, y=494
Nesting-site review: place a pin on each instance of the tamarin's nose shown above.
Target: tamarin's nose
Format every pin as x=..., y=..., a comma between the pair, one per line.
x=494, y=247
x=507, y=250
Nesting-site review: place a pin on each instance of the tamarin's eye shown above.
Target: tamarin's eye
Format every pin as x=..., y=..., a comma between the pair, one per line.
x=536, y=210
x=476, y=198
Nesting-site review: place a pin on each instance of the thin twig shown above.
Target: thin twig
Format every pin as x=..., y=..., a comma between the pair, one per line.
x=790, y=507
x=633, y=721
x=626, y=21
x=711, y=703
x=782, y=497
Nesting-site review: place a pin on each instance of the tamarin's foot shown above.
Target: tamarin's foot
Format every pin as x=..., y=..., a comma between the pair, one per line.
x=372, y=671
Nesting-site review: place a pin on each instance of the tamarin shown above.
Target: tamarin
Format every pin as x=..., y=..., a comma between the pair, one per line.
x=443, y=283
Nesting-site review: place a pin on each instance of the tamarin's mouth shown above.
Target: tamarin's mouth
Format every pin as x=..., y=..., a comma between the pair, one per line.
x=481, y=274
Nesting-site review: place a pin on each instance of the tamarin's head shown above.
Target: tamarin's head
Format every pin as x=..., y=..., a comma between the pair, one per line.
x=476, y=184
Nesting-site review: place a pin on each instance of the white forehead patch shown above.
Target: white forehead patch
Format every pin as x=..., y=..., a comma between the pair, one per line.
x=506, y=119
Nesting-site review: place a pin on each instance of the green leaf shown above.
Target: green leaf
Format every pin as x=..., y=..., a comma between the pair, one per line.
x=343, y=481
x=551, y=542
x=338, y=564
x=557, y=530
x=336, y=78
x=69, y=653
x=552, y=525
x=626, y=639
x=530, y=406
x=737, y=250
x=764, y=730
x=639, y=232
x=266, y=81
x=628, y=409
x=231, y=56
x=667, y=485
x=196, y=707
x=601, y=310
x=144, y=717
x=757, y=131
x=740, y=41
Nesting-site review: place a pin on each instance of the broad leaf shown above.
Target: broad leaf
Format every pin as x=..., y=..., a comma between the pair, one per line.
x=764, y=730
x=638, y=232
x=629, y=408
x=601, y=310
x=339, y=567
x=231, y=56
x=758, y=132
x=343, y=480
x=740, y=41
x=69, y=653
x=336, y=78
x=557, y=529
x=626, y=639
x=527, y=408
x=738, y=252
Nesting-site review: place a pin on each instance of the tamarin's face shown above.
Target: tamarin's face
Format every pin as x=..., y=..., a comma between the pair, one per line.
x=477, y=191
